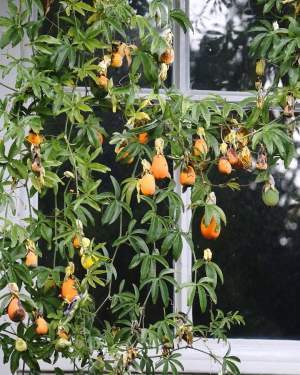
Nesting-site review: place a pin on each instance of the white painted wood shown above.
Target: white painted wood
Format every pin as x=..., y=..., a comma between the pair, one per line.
x=267, y=357
x=183, y=267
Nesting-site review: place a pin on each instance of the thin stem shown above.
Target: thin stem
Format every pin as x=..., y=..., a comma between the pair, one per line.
x=74, y=165
x=55, y=229
x=29, y=202
x=8, y=87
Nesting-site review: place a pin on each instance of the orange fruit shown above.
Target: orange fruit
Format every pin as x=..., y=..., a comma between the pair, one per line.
x=143, y=138
x=232, y=156
x=102, y=81
x=224, y=166
x=210, y=232
x=147, y=184
x=200, y=147
x=116, y=60
x=167, y=57
x=34, y=138
x=15, y=310
x=159, y=167
x=68, y=290
x=76, y=242
x=31, y=259
x=41, y=326
x=187, y=176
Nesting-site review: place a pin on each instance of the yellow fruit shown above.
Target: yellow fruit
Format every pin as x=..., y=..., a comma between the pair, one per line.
x=87, y=261
x=20, y=345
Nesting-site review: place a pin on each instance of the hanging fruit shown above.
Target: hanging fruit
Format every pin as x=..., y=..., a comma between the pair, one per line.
x=200, y=146
x=76, y=241
x=167, y=57
x=261, y=163
x=116, y=60
x=146, y=184
x=34, y=138
x=68, y=289
x=88, y=260
x=224, y=166
x=270, y=195
x=143, y=138
x=159, y=167
x=31, y=259
x=232, y=156
x=211, y=230
x=41, y=326
x=20, y=345
x=187, y=176
x=102, y=81
x=15, y=310
x=260, y=67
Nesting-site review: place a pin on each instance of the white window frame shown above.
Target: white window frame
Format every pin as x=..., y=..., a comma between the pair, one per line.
x=269, y=357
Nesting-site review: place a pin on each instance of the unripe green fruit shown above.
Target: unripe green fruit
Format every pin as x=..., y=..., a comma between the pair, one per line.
x=270, y=196
x=20, y=345
x=62, y=344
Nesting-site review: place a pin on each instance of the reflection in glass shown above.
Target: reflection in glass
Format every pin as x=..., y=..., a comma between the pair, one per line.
x=259, y=254
x=219, y=45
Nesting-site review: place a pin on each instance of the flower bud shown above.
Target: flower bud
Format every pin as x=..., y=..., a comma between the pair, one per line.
x=223, y=148
x=20, y=345
x=69, y=174
x=207, y=255
x=85, y=242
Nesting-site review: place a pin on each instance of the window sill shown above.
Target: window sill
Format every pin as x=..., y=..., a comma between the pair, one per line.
x=263, y=357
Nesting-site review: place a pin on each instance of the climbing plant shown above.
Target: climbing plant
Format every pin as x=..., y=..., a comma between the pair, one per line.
x=89, y=61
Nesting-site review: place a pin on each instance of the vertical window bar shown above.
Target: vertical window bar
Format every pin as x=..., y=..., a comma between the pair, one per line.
x=181, y=74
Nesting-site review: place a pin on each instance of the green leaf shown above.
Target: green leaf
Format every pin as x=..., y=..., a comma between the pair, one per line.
x=182, y=19
x=14, y=361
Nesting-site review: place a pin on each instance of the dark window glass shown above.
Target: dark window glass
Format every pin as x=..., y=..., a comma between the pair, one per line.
x=219, y=46
x=259, y=255
x=112, y=123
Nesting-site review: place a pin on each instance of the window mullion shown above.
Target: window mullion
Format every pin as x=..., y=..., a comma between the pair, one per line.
x=183, y=267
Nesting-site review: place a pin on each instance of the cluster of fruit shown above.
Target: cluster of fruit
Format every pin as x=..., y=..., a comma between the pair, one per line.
x=17, y=313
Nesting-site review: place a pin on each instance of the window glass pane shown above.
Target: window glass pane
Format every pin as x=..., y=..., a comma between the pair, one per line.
x=108, y=233
x=219, y=45
x=258, y=252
